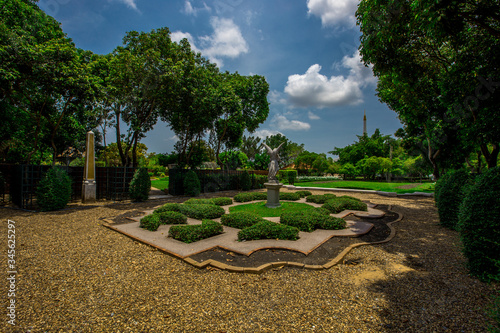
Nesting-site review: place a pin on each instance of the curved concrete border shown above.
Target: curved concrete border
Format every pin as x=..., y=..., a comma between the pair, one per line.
x=386, y=194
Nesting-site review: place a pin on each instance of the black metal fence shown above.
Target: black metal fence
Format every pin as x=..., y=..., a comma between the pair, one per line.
x=214, y=180
x=21, y=181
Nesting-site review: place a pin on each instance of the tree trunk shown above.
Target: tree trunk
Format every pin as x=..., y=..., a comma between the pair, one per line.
x=491, y=157
x=119, y=138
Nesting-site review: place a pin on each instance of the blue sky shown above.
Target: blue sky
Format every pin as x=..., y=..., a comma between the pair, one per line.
x=306, y=49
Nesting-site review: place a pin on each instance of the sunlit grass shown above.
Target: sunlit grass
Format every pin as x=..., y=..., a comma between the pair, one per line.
x=376, y=186
x=260, y=208
x=160, y=184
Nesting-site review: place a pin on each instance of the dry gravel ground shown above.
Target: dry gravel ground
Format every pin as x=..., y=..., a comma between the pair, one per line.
x=74, y=275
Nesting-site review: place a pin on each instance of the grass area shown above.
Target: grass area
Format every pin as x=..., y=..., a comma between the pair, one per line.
x=376, y=186
x=160, y=184
x=260, y=208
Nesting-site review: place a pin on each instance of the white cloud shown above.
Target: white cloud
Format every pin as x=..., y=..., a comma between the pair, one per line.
x=264, y=133
x=130, y=3
x=226, y=41
x=315, y=89
x=312, y=116
x=334, y=12
x=190, y=10
x=276, y=97
x=283, y=123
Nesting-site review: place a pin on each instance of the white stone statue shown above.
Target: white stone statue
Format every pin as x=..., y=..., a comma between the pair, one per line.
x=273, y=165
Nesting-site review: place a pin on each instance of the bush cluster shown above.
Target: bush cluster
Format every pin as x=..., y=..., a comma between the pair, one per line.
x=310, y=221
x=289, y=175
x=54, y=190
x=449, y=194
x=153, y=221
x=479, y=225
x=250, y=196
x=240, y=220
x=191, y=183
x=140, y=185
x=338, y=205
x=291, y=196
x=168, y=207
x=320, y=198
x=303, y=193
x=193, y=233
x=268, y=230
x=245, y=181
x=200, y=211
x=222, y=201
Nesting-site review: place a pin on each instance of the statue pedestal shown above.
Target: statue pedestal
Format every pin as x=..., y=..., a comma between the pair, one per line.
x=89, y=191
x=273, y=194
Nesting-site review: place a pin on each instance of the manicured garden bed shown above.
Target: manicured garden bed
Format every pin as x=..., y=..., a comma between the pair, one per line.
x=260, y=208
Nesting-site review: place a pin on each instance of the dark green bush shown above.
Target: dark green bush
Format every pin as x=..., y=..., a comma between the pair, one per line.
x=195, y=201
x=258, y=181
x=200, y=211
x=268, y=230
x=245, y=181
x=323, y=211
x=304, y=194
x=450, y=192
x=54, y=190
x=191, y=183
x=222, y=201
x=348, y=197
x=494, y=313
x=140, y=185
x=320, y=198
x=479, y=226
x=168, y=207
x=289, y=196
x=150, y=222
x=310, y=221
x=153, y=221
x=289, y=175
x=250, y=196
x=2, y=184
x=193, y=233
x=338, y=205
x=240, y=220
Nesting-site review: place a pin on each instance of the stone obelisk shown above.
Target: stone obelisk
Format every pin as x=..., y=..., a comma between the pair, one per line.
x=89, y=185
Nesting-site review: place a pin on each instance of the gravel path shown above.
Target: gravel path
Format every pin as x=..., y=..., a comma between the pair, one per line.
x=74, y=275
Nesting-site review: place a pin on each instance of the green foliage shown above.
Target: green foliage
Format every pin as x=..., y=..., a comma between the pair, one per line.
x=191, y=184
x=245, y=197
x=310, y=221
x=54, y=190
x=320, y=198
x=245, y=181
x=240, y=220
x=288, y=152
x=193, y=233
x=292, y=196
x=153, y=221
x=479, y=225
x=338, y=205
x=289, y=175
x=222, y=201
x=449, y=194
x=261, y=161
x=258, y=181
x=140, y=185
x=303, y=193
x=233, y=160
x=494, y=314
x=268, y=230
x=200, y=211
x=168, y=207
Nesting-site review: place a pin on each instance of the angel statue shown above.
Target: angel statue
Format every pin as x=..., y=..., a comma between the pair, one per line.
x=273, y=165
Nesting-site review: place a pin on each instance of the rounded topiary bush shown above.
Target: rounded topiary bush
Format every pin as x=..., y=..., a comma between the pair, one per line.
x=240, y=220
x=140, y=185
x=338, y=205
x=193, y=233
x=449, y=194
x=312, y=220
x=196, y=201
x=168, y=207
x=479, y=226
x=268, y=230
x=192, y=186
x=320, y=198
x=222, y=201
x=54, y=190
x=201, y=211
x=304, y=193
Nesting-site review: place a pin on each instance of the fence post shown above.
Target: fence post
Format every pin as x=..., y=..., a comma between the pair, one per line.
x=89, y=184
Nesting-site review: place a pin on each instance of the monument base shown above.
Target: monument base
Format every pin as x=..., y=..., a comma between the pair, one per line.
x=273, y=194
x=89, y=191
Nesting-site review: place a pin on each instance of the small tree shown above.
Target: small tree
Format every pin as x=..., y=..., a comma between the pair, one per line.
x=140, y=185
x=192, y=186
x=54, y=190
x=245, y=181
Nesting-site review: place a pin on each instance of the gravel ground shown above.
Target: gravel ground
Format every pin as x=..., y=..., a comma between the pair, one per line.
x=74, y=275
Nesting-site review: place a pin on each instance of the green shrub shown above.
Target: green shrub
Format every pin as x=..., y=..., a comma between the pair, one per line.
x=140, y=185
x=338, y=205
x=168, y=207
x=320, y=198
x=191, y=183
x=494, y=314
x=195, y=201
x=245, y=181
x=150, y=222
x=251, y=196
x=304, y=194
x=323, y=211
x=289, y=196
x=450, y=192
x=193, y=233
x=54, y=190
x=348, y=197
x=288, y=175
x=268, y=230
x=200, y=211
x=479, y=225
x=240, y=220
x=310, y=221
x=222, y=201
x=153, y=221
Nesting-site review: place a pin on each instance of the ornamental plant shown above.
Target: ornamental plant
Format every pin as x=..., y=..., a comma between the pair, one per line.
x=54, y=190
x=193, y=233
x=240, y=220
x=191, y=183
x=140, y=185
x=268, y=230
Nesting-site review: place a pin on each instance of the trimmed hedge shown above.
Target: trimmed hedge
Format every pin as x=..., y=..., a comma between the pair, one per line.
x=250, y=196
x=153, y=221
x=449, y=194
x=54, y=190
x=245, y=181
x=222, y=201
x=168, y=207
x=288, y=175
x=240, y=220
x=310, y=221
x=200, y=211
x=191, y=183
x=320, y=198
x=140, y=185
x=268, y=230
x=193, y=233
x=479, y=226
x=338, y=205
x=291, y=196
x=304, y=193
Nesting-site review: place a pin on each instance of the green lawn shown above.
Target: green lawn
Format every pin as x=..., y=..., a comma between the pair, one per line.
x=368, y=185
x=160, y=184
x=260, y=208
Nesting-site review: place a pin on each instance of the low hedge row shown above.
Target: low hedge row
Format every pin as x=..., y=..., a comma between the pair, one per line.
x=291, y=196
x=320, y=198
x=340, y=204
x=250, y=196
x=304, y=193
x=193, y=210
x=268, y=230
x=153, y=221
x=221, y=201
x=193, y=233
x=240, y=220
x=311, y=221
x=168, y=207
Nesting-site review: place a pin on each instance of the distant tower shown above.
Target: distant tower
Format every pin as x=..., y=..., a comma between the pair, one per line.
x=364, y=125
